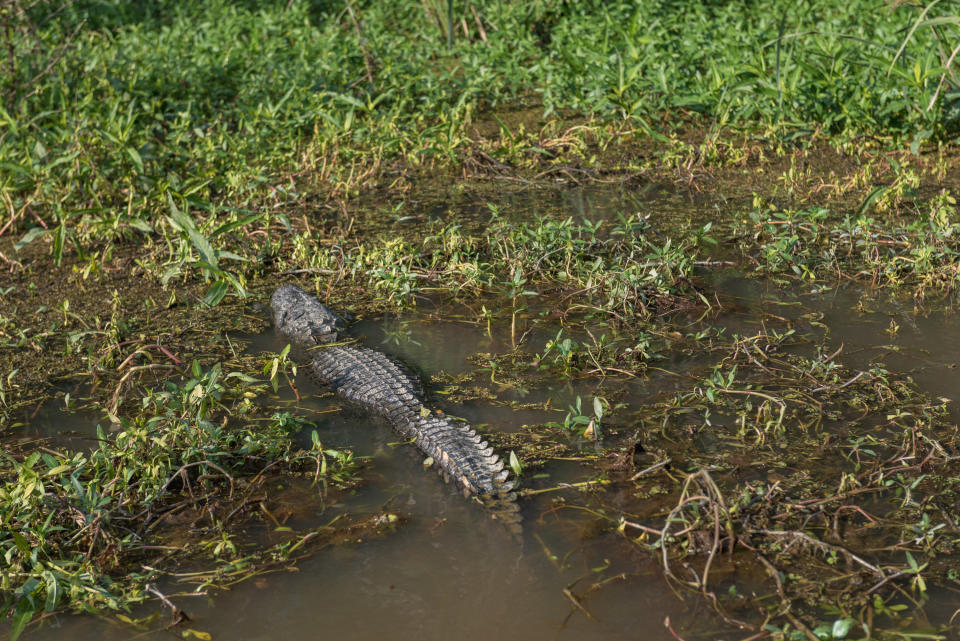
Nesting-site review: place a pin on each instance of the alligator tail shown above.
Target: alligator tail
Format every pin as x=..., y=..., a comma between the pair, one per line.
x=466, y=461
x=463, y=458
x=373, y=380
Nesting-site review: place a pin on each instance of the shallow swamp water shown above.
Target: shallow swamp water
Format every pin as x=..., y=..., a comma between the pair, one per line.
x=450, y=571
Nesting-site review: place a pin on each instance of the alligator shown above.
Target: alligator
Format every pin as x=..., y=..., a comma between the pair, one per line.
x=383, y=386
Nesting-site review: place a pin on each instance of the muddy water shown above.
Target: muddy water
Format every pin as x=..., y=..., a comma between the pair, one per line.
x=519, y=201
x=871, y=328
x=449, y=571
x=57, y=420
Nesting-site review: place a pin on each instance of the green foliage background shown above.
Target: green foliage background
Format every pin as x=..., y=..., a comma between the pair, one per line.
x=219, y=99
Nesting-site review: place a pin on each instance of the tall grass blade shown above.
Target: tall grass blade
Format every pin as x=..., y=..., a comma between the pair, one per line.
x=449, y=24
x=916, y=25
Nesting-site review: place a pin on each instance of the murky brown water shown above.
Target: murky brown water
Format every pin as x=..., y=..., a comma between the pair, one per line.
x=451, y=572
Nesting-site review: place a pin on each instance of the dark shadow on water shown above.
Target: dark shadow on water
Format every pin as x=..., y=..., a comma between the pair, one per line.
x=58, y=425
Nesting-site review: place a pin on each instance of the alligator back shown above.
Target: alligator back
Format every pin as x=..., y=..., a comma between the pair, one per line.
x=381, y=385
x=376, y=382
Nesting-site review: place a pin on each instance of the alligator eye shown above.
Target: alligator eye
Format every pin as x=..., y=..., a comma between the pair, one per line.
x=316, y=338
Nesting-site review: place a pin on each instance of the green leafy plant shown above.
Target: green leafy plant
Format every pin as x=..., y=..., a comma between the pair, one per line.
x=66, y=534
x=584, y=424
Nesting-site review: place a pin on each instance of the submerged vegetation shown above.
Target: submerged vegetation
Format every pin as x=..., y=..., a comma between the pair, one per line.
x=76, y=520
x=832, y=516
x=164, y=166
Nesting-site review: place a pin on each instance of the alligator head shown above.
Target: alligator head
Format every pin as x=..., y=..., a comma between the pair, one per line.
x=303, y=319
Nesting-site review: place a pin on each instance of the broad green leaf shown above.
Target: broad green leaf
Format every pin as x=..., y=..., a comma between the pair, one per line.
x=59, y=470
x=515, y=464
x=135, y=157
x=21, y=617
x=237, y=223
x=29, y=237
x=216, y=293
x=203, y=247
x=59, y=236
x=53, y=591
x=22, y=544
x=140, y=225
x=183, y=222
x=841, y=627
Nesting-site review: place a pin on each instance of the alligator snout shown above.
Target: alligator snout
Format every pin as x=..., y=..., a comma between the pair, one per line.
x=302, y=318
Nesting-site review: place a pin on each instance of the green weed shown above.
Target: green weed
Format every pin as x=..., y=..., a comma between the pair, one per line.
x=72, y=521
x=233, y=110
x=918, y=254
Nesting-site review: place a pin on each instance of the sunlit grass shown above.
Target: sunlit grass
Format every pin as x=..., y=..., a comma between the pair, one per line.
x=224, y=105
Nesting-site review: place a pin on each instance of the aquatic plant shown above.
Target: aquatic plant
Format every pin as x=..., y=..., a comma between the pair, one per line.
x=73, y=522
x=623, y=272
x=917, y=255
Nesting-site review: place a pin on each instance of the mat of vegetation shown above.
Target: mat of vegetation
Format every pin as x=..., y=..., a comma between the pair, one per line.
x=173, y=484
x=110, y=107
x=163, y=167
x=836, y=487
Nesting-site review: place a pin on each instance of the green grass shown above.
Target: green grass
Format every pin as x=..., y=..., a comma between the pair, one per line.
x=234, y=105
